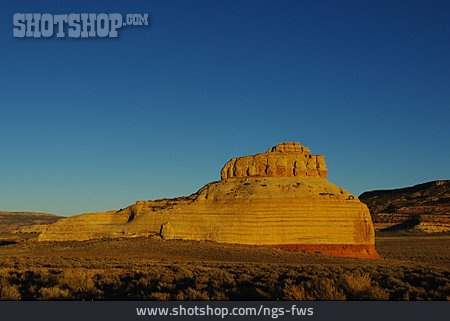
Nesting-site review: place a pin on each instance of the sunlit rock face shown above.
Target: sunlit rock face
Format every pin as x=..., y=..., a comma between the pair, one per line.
x=283, y=160
x=280, y=198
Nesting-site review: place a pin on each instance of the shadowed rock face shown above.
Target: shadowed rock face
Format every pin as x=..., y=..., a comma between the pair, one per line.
x=279, y=198
x=421, y=208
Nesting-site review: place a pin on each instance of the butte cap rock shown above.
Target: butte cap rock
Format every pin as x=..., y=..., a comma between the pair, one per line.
x=283, y=160
x=280, y=198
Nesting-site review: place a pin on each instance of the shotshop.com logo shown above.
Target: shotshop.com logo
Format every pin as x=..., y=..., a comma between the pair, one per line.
x=74, y=25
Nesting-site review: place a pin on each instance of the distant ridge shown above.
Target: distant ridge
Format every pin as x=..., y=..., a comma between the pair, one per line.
x=13, y=223
x=423, y=207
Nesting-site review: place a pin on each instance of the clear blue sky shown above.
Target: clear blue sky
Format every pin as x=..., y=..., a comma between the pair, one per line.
x=95, y=124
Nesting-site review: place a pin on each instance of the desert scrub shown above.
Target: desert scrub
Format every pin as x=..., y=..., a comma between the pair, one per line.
x=80, y=283
x=77, y=280
x=159, y=296
x=361, y=287
x=191, y=294
x=234, y=281
x=53, y=293
x=323, y=289
x=8, y=291
x=292, y=291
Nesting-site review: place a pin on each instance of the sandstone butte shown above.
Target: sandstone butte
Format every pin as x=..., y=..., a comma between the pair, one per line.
x=280, y=198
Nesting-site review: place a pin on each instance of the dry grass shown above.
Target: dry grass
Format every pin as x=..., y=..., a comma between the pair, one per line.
x=131, y=270
x=54, y=293
x=9, y=292
x=77, y=280
x=361, y=287
x=196, y=281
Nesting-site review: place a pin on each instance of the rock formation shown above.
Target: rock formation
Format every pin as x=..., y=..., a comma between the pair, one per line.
x=423, y=208
x=283, y=160
x=279, y=198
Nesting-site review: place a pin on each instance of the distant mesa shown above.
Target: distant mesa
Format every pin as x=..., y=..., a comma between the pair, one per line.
x=280, y=198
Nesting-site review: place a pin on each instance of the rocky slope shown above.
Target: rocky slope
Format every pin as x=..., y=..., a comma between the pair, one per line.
x=279, y=198
x=421, y=208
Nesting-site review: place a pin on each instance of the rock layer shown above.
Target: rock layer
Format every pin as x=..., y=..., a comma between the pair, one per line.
x=283, y=160
x=280, y=198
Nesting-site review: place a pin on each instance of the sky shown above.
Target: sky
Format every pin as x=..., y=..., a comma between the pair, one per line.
x=96, y=124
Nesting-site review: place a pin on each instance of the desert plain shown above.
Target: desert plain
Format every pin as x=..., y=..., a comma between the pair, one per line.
x=412, y=267
x=273, y=228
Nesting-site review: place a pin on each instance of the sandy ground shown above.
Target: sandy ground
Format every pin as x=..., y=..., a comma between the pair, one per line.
x=423, y=250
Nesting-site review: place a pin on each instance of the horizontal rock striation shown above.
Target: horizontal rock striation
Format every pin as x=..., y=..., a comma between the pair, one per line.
x=254, y=203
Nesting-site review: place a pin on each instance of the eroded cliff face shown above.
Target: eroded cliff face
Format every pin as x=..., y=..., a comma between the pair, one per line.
x=283, y=160
x=279, y=198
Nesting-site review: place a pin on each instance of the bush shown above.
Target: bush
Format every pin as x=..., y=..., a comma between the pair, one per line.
x=192, y=295
x=159, y=296
x=293, y=292
x=324, y=289
x=9, y=292
x=78, y=280
x=53, y=293
x=361, y=287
